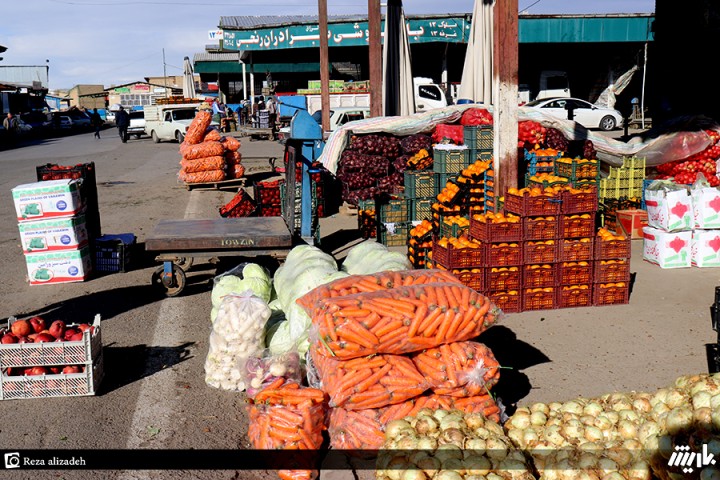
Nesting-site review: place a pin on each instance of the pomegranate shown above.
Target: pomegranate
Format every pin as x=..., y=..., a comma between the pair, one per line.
x=78, y=337
x=71, y=369
x=32, y=336
x=24, y=340
x=54, y=369
x=38, y=324
x=21, y=328
x=57, y=328
x=36, y=371
x=70, y=332
x=84, y=326
x=9, y=338
x=44, y=337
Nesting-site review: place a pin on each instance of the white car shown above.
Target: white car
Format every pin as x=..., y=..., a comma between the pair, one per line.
x=137, y=123
x=339, y=116
x=584, y=113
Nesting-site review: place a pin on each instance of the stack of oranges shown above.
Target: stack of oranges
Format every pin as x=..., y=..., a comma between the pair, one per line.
x=606, y=235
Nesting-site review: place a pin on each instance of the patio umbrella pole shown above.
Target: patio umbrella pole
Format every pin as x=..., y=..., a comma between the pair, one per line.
x=324, y=65
x=375, y=58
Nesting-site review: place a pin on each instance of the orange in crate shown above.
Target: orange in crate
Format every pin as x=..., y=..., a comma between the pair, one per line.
x=572, y=296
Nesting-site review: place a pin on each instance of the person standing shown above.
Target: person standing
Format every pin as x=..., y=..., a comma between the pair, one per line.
x=272, y=113
x=10, y=124
x=255, y=113
x=122, y=120
x=96, y=122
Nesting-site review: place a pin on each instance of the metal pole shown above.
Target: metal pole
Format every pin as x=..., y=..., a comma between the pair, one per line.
x=642, y=94
x=165, y=74
x=244, y=81
x=252, y=88
x=324, y=66
x=375, y=60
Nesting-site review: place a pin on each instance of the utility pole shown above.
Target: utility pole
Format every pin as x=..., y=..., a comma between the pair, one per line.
x=375, y=60
x=324, y=66
x=165, y=74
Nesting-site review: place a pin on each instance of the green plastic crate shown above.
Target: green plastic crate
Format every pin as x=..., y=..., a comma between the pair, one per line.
x=421, y=208
x=578, y=171
x=394, y=211
x=450, y=161
x=420, y=184
x=478, y=137
x=394, y=234
x=480, y=154
x=442, y=179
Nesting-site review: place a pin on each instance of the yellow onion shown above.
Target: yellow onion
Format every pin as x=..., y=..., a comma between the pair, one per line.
x=427, y=443
x=572, y=407
x=647, y=429
x=520, y=420
x=593, y=434
x=477, y=465
x=538, y=419
x=709, y=384
x=702, y=417
x=621, y=456
x=587, y=461
x=553, y=435
x=516, y=435
x=676, y=398
x=678, y=420
x=592, y=408
x=629, y=415
x=495, y=429
x=430, y=466
x=613, y=416
x=715, y=402
x=496, y=448
x=659, y=397
x=475, y=444
x=613, y=476
x=454, y=464
x=603, y=422
x=413, y=475
x=474, y=420
x=607, y=465
x=642, y=405
x=627, y=429
x=540, y=407
x=701, y=400
x=587, y=420
x=710, y=474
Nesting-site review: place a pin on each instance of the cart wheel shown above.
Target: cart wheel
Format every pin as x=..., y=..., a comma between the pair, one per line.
x=174, y=285
x=184, y=262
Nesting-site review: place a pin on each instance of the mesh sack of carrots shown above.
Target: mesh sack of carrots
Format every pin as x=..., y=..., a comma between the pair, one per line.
x=200, y=150
x=202, y=177
x=212, y=135
x=235, y=171
x=233, y=158
x=231, y=143
x=363, y=383
x=460, y=369
x=400, y=320
x=372, y=283
x=196, y=130
x=203, y=164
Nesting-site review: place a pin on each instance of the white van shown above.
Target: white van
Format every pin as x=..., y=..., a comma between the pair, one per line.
x=428, y=95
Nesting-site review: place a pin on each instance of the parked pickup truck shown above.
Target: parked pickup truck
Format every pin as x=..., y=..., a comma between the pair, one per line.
x=169, y=122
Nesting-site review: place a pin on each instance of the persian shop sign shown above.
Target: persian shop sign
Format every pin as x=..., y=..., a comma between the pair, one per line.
x=453, y=30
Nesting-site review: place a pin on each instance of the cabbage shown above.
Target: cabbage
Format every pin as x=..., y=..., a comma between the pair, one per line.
x=358, y=254
x=256, y=271
x=280, y=339
x=229, y=284
x=371, y=257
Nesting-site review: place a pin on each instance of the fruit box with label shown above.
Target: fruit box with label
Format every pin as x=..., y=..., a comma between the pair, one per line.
x=58, y=267
x=49, y=199
x=706, y=248
x=54, y=234
x=632, y=222
x=669, y=210
x=667, y=249
x=706, y=207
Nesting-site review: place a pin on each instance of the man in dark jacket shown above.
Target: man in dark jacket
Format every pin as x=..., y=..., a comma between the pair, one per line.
x=122, y=120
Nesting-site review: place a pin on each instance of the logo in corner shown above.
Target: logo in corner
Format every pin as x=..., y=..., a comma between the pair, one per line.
x=683, y=457
x=12, y=460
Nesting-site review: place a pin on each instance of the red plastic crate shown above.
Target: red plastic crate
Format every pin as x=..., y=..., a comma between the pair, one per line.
x=503, y=255
x=571, y=273
x=612, y=272
x=573, y=226
x=528, y=206
x=541, y=300
x=495, y=232
x=241, y=205
x=537, y=251
x=267, y=193
x=612, y=249
x=452, y=258
x=586, y=202
x=576, y=297
x=539, y=276
x=269, y=211
x=474, y=278
x=506, y=301
x=575, y=250
x=503, y=280
x=540, y=228
x=603, y=294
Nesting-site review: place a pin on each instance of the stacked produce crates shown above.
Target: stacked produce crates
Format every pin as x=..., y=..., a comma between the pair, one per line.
x=625, y=181
x=241, y=205
x=612, y=269
x=541, y=160
x=267, y=198
x=420, y=189
x=386, y=218
x=420, y=244
x=479, y=140
x=580, y=172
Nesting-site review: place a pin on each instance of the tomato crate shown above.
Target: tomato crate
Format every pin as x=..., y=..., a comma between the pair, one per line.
x=575, y=273
x=473, y=278
x=450, y=159
x=540, y=228
x=393, y=234
x=241, y=205
x=421, y=208
x=576, y=250
x=393, y=211
x=507, y=301
x=608, y=271
x=493, y=232
x=611, y=294
x=504, y=254
x=528, y=206
x=578, y=225
x=52, y=353
x=451, y=257
x=267, y=193
x=539, y=299
x=478, y=136
x=539, y=276
x=576, y=169
x=540, y=251
x=585, y=202
x=581, y=296
x=269, y=211
x=612, y=249
x=503, y=278
x=420, y=184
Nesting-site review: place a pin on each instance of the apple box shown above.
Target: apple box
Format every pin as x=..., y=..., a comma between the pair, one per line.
x=633, y=221
x=58, y=267
x=667, y=249
x=670, y=210
x=49, y=199
x=54, y=234
x=706, y=248
x=706, y=207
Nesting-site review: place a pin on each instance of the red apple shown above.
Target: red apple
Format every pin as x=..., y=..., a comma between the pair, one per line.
x=57, y=328
x=71, y=369
x=36, y=371
x=9, y=338
x=44, y=337
x=38, y=324
x=70, y=332
x=21, y=328
x=76, y=338
x=54, y=370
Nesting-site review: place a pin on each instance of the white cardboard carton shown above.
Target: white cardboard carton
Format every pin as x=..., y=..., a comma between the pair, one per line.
x=706, y=207
x=49, y=199
x=671, y=211
x=58, y=267
x=667, y=249
x=706, y=248
x=54, y=234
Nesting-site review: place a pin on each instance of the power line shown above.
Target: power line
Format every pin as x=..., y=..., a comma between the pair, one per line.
x=192, y=3
x=531, y=5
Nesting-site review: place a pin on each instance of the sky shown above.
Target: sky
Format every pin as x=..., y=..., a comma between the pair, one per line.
x=113, y=42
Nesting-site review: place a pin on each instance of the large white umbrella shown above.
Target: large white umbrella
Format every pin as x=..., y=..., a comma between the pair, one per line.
x=398, y=93
x=476, y=83
x=188, y=79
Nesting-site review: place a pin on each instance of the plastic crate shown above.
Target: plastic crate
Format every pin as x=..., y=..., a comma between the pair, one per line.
x=507, y=301
x=533, y=168
x=537, y=251
x=452, y=258
x=493, y=232
x=450, y=161
x=478, y=136
x=474, y=278
x=605, y=294
x=619, y=271
x=503, y=278
x=576, y=250
x=420, y=184
x=113, y=253
x=540, y=228
x=482, y=154
x=539, y=276
x=574, y=226
x=452, y=230
x=576, y=170
x=585, y=202
x=504, y=255
x=527, y=205
x=267, y=193
x=539, y=300
x=393, y=211
x=241, y=205
x=612, y=249
x=572, y=273
x=637, y=163
x=393, y=234
x=421, y=208
x=575, y=297
x=529, y=182
x=269, y=211
x=367, y=221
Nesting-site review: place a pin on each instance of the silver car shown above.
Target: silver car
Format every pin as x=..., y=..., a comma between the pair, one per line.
x=584, y=113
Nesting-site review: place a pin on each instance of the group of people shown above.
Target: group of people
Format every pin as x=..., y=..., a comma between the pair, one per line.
x=247, y=113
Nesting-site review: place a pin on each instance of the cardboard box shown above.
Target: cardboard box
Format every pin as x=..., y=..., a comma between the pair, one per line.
x=706, y=248
x=671, y=211
x=51, y=235
x=632, y=222
x=706, y=207
x=667, y=249
x=49, y=199
x=58, y=267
